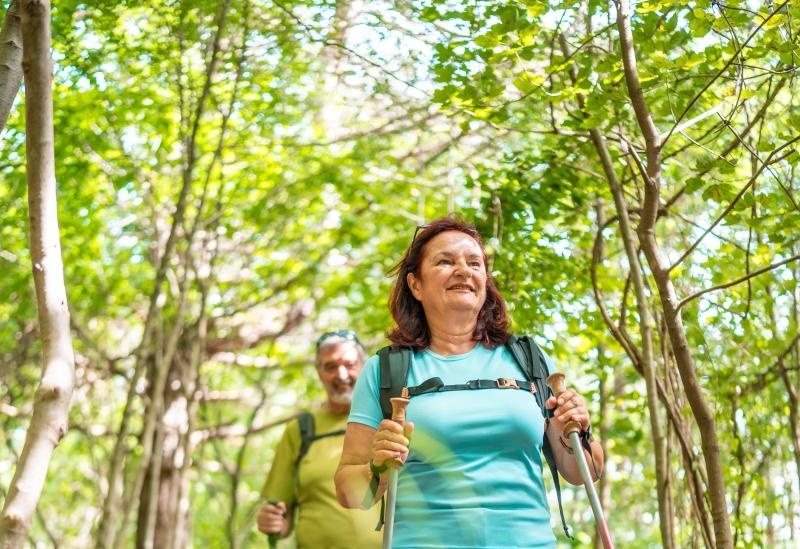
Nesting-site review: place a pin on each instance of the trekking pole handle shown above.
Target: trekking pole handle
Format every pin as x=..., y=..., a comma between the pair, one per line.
x=399, y=405
x=273, y=538
x=572, y=429
x=558, y=385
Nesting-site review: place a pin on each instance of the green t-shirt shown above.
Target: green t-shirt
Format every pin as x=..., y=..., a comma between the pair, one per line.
x=320, y=522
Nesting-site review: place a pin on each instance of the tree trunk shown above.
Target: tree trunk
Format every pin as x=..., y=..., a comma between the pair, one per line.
x=648, y=362
x=651, y=172
x=10, y=60
x=161, y=515
x=646, y=358
x=51, y=407
x=156, y=353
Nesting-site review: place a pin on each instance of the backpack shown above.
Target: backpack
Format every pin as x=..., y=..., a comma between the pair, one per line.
x=308, y=434
x=394, y=365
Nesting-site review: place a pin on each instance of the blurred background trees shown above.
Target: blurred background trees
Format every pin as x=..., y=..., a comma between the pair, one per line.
x=236, y=177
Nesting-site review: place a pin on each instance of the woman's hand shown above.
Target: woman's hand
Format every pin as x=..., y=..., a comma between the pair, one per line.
x=365, y=453
x=568, y=406
x=390, y=443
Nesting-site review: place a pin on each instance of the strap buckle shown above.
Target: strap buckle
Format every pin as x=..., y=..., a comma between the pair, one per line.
x=507, y=383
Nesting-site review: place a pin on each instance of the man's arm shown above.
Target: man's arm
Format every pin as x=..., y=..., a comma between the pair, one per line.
x=276, y=516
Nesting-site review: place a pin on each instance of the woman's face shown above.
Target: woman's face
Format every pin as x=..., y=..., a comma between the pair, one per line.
x=452, y=275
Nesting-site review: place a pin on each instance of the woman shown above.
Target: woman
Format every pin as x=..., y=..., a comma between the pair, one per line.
x=472, y=476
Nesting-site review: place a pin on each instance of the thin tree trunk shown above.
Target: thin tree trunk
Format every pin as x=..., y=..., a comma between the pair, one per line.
x=156, y=352
x=10, y=60
x=647, y=357
x=648, y=362
x=51, y=407
x=659, y=266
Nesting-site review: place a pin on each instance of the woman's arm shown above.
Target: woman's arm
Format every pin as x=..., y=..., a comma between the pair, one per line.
x=353, y=476
x=565, y=459
x=570, y=406
x=361, y=477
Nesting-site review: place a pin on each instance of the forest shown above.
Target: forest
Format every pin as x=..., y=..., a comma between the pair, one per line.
x=193, y=191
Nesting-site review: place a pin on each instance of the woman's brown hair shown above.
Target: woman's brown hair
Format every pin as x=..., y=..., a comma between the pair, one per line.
x=491, y=328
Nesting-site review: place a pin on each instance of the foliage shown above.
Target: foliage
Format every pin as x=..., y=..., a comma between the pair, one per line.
x=306, y=155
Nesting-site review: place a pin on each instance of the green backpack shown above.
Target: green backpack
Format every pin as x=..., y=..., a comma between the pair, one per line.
x=394, y=366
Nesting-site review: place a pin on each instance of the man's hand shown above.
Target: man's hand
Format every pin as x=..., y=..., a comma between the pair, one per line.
x=271, y=518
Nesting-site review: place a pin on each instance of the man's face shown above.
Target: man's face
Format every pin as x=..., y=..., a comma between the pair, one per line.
x=338, y=366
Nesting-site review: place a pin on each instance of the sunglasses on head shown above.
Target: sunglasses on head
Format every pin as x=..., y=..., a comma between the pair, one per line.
x=417, y=230
x=344, y=335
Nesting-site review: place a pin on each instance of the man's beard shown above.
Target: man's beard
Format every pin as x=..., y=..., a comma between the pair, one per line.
x=342, y=397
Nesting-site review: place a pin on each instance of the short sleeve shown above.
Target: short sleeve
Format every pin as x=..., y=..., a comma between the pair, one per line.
x=366, y=406
x=281, y=478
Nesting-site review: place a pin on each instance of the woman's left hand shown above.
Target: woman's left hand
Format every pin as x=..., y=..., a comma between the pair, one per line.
x=569, y=406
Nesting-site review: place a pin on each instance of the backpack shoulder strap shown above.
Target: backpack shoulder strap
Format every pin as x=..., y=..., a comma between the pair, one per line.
x=394, y=365
x=529, y=357
x=307, y=432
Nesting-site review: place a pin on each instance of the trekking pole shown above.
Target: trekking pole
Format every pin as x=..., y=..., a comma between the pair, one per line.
x=573, y=428
x=399, y=405
x=273, y=538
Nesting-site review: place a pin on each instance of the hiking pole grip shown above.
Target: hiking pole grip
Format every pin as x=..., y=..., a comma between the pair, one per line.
x=572, y=429
x=558, y=386
x=399, y=405
x=273, y=538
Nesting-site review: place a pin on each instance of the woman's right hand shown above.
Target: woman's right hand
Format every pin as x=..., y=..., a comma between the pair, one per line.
x=390, y=443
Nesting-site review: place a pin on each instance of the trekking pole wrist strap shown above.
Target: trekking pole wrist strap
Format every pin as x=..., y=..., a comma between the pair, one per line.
x=375, y=470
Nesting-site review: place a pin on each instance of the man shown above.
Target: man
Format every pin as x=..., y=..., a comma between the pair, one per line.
x=301, y=495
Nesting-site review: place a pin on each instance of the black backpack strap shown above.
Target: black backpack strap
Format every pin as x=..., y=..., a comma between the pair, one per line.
x=529, y=357
x=394, y=364
x=436, y=385
x=547, y=450
x=307, y=432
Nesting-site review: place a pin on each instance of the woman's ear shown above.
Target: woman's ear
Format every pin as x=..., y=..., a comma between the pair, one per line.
x=413, y=285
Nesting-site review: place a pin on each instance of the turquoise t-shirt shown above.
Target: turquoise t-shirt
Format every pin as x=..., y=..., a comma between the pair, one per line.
x=473, y=478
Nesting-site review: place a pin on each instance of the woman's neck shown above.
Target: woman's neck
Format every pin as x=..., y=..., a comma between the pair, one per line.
x=451, y=340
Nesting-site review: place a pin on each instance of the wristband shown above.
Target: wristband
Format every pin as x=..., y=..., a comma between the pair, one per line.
x=375, y=470
x=565, y=443
x=585, y=436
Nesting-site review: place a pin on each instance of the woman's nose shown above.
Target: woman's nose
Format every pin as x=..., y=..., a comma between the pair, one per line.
x=462, y=268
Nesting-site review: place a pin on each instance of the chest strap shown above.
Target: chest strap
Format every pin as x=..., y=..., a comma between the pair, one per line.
x=436, y=385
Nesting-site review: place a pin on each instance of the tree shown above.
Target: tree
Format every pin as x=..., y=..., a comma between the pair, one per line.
x=242, y=175
x=49, y=419
x=653, y=147
x=10, y=60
